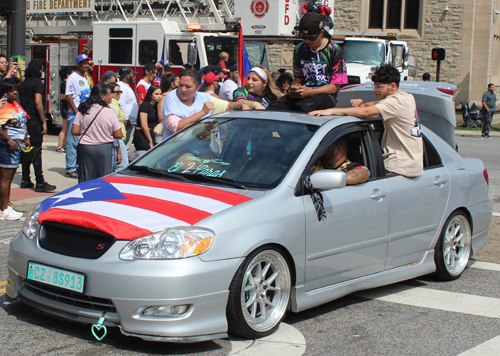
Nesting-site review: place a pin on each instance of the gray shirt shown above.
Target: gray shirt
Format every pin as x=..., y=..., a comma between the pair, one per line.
x=490, y=99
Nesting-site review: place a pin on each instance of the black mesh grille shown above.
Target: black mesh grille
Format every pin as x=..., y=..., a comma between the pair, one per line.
x=351, y=79
x=69, y=298
x=74, y=241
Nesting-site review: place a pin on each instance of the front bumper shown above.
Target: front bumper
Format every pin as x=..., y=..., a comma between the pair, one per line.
x=125, y=288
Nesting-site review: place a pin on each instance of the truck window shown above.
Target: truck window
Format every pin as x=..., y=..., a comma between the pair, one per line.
x=396, y=56
x=215, y=45
x=361, y=52
x=178, y=53
x=120, y=46
x=148, y=52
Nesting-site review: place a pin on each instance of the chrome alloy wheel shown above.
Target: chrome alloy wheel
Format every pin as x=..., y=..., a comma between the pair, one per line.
x=265, y=290
x=457, y=245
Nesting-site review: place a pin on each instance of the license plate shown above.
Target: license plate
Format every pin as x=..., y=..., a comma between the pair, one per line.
x=56, y=277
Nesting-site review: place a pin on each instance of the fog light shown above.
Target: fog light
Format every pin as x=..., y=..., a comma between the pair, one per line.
x=166, y=310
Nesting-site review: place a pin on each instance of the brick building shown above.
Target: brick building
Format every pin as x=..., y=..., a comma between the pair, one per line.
x=469, y=30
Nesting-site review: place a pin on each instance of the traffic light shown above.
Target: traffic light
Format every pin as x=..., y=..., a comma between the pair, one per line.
x=438, y=54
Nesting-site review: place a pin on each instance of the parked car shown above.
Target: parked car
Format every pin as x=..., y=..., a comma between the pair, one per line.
x=215, y=230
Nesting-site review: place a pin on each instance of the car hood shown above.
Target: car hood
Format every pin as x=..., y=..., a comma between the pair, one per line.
x=129, y=207
x=435, y=106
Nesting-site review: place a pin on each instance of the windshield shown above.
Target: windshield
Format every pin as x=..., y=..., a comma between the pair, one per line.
x=369, y=53
x=244, y=153
x=215, y=45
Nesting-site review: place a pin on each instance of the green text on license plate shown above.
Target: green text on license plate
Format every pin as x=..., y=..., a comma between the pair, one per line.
x=56, y=277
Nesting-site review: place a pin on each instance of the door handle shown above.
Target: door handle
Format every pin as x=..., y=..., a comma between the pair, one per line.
x=440, y=181
x=378, y=194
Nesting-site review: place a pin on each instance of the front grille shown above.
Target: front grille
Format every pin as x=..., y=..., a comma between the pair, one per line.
x=69, y=298
x=74, y=241
x=351, y=79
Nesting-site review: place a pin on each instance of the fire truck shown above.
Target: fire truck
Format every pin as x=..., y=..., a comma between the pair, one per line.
x=131, y=33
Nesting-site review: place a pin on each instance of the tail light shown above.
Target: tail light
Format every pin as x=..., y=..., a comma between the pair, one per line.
x=485, y=174
x=446, y=90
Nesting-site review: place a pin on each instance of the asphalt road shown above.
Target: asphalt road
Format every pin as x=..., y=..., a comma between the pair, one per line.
x=417, y=317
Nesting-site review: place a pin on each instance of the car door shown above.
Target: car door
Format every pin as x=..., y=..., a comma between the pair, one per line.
x=352, y=240
x=417, y=209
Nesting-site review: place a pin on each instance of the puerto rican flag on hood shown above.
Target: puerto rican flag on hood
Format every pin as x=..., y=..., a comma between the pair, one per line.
x=129, y=207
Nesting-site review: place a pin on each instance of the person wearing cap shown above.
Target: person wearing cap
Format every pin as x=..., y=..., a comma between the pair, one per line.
x=230, y=84
x=186, y=104
x=128, y=101
x=318, y=68
x=209, y=69
x=260, y=88
x=109, y=77
x=148, y=76
x=77, y=91
x=211, y=84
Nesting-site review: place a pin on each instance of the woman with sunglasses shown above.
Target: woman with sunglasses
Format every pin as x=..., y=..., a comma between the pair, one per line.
x=119, y=144
x=260, y=88
x=318, y=68
x=13, y=139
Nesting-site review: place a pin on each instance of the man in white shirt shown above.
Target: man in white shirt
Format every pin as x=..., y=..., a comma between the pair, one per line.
x=128, y=101
x=77, y=91
x=230, y=84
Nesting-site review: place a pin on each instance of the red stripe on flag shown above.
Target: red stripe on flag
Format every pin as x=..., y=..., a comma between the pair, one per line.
x=174, y=210
x=212, y=193
x=119, y=229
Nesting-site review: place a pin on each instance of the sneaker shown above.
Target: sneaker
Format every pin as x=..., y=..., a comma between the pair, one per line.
x=487, y=136
x=73, y=174
x=60, y=150
x=44, y=187
x=26, y=184
x=10, y=214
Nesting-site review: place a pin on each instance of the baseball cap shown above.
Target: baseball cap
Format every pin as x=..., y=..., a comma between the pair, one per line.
x=109, y=74
x=311, y=23
x=210, y=77
x=123, y=71
x=81, y=57
x=234, y=68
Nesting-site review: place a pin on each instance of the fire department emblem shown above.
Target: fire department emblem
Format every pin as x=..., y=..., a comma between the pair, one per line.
x=259, y=8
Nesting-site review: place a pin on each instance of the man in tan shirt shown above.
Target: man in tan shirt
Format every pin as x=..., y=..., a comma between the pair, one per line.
x=402, y=144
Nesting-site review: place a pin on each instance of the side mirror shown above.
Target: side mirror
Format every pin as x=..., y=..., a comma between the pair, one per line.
x=192, y=53
x=328, y=179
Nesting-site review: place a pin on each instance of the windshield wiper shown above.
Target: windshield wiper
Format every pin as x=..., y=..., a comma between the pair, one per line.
x=227, y=181
x=159, y=172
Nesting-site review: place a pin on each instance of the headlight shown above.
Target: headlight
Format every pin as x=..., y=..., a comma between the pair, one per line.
x=180, y=242
x=31, y=224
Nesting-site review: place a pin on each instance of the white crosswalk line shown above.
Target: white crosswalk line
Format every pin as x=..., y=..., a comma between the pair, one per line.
x=436, y=299
x=484, y=265
x=488, y=348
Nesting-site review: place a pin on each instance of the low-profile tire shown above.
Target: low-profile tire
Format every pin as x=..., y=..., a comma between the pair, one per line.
x=453, y=249
x=259, y=294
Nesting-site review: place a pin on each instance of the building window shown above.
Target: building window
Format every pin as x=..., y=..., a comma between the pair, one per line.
x=394, y=14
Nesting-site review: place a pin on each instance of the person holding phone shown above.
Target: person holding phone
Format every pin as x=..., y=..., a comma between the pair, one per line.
x=6, y=71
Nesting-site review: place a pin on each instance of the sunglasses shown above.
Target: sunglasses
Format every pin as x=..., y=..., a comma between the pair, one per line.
x=117, y=92
x=310, y=38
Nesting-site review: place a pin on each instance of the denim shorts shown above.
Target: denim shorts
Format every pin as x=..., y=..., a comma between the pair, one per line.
x=8, y=157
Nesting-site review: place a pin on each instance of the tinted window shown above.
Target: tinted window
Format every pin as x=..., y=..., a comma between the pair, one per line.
x=148, y=52
x=120, y=51
x=431, y=157
x=121, y=32
x=256, y=153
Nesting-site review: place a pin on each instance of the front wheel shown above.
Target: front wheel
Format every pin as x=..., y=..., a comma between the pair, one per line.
x=259, y=294
x=453, y=248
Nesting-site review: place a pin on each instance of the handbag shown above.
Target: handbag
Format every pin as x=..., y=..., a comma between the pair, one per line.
x=88, y=127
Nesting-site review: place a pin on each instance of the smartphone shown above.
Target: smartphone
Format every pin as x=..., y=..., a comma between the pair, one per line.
x=293, y=88
x=5, y=96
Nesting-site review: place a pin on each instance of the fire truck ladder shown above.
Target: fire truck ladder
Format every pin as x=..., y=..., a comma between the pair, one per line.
x=212, y=15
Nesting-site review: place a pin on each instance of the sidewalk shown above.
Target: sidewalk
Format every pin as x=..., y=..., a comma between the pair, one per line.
x=470, y=133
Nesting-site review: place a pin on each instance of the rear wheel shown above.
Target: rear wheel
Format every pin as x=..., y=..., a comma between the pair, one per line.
x=453, y=248
x=259, y=294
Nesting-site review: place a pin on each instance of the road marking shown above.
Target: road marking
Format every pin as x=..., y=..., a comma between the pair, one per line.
x=484, y=265
x=496, y=214
x=436, y=299
x=2, y=283
x=286, y=341
x=488, y=348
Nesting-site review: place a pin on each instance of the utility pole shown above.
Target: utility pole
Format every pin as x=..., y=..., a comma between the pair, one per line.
x=17, y=34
